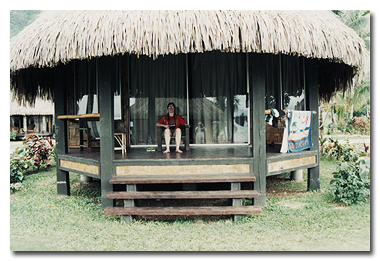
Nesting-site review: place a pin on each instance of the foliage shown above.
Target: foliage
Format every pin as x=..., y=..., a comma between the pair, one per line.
x=359, y=20
x=350, y=184
x=341, y=152
x=38, y=150
x=343, y=106
x=331, y=148
x=13, y=134
x=36, y=154
x=355, y=101
x=355, y=125
x=21, y=18
x=16, y=186
x=361, y=125
x=19, y=163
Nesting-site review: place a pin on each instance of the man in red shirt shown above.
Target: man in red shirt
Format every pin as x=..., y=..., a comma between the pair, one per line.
x=172, y=123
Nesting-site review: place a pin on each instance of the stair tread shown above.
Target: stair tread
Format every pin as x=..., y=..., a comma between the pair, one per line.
x=182, y=194
x=165, y=211
x=166, y=179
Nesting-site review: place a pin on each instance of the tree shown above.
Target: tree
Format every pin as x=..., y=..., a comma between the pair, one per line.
x=356, y=100
x=359, y=20
x=21, y=18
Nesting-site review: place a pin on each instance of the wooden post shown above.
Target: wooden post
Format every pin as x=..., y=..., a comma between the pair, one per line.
x=296, y=175
x=25, y=124
x=258, y=123
x=107, y=81
x=63, y=180
x=312, y=103
x=236, y=202
x=129, y=203
x=43, y=124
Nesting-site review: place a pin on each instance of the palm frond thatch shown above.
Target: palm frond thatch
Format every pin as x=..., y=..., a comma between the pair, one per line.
x=40, y=107
x=60, y=36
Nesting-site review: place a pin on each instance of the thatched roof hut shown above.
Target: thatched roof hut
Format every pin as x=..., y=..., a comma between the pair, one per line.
x=60, y=36
x=40, y=107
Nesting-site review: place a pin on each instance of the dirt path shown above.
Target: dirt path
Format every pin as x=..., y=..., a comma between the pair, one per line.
x=14, y=145
x=352, y=139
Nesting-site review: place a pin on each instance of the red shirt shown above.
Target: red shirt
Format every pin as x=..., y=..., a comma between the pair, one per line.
x=174, y=123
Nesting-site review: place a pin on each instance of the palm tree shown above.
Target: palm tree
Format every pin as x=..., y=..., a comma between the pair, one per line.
x=344, y=104
x=359, y=20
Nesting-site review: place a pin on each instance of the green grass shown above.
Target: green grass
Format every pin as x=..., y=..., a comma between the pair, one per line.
x=42, y=220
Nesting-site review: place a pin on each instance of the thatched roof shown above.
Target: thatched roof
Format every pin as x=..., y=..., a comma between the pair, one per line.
x=60, y=36
x=40, y=107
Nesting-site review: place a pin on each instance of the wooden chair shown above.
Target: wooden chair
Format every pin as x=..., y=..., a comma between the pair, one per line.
x=185, y=137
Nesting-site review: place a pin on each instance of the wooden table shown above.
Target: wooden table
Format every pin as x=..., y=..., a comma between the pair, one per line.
x=120, y=137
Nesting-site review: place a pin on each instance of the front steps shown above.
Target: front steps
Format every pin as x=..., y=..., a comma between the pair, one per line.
x=130, y=195
x=182, y=194
x=182, y=211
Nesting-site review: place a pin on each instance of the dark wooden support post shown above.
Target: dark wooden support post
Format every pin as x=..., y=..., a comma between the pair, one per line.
x=258, y=123
x=63, y=180
x=106, y=81
x=129, y=203
x=312, y=103
x=236, y=202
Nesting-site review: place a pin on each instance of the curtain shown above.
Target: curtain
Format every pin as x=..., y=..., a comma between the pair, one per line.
x=217, y=95
x=86, y=92
x=292, y=83
x=284, y=84
x=272, y=82
x=153, y=84
x=218, y=92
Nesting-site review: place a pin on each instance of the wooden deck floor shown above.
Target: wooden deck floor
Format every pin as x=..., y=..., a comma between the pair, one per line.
x=207, y=152
x=141, y=153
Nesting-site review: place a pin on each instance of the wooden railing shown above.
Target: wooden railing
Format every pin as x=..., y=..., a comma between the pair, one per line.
x=269, y=111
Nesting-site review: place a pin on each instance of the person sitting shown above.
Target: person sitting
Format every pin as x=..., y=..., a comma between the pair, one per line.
x=172, y=123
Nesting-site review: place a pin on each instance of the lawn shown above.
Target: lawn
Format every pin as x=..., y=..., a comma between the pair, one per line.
x=40, y=220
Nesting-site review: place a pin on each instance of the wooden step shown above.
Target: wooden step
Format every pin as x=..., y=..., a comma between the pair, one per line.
x=182, y=211
x=182, y=194
x=166, y=179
